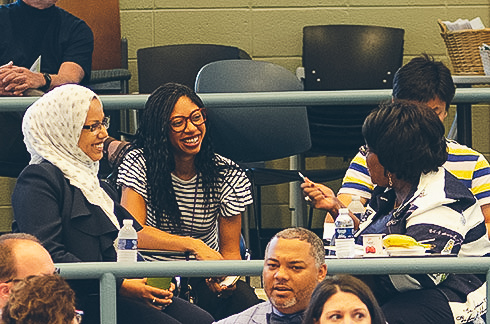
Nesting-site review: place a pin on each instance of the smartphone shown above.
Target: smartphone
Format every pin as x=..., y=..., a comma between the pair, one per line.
x=162, y=283
x=229, y=281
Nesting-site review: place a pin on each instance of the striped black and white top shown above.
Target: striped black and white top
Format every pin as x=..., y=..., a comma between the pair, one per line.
x=198, y=221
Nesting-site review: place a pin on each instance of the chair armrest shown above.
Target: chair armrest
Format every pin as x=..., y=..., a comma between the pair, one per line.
x=101, y=76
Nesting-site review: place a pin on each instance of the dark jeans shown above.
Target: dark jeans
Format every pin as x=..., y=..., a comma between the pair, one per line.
x=242, y=298
x=130, y=311
x=418, y=306
x=180, y=311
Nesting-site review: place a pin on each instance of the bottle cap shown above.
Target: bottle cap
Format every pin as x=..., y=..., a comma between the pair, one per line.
x=343, y=211
x=128, y=222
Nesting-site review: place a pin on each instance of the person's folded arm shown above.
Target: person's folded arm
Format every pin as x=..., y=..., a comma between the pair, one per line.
x=16, y=80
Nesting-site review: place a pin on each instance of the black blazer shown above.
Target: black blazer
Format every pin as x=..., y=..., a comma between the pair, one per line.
x=47, y=206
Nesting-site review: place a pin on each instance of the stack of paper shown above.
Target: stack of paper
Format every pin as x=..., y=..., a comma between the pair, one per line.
x=461, y=24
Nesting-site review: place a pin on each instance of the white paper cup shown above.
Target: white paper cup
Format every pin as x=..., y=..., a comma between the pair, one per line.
x=372, y=244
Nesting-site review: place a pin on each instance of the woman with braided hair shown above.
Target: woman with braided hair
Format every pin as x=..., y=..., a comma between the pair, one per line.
x=187, y=197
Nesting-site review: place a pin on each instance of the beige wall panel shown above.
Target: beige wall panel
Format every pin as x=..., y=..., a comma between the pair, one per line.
x=272, y=31
x=131, y=4
x=275, y=194
x=449, y=118
x=6, y=217
x=280, y=32
x=224, y=27
x=6, y=189
x=137, y=27
x=275, y=216
x=467, y=2
x=202, y=4
x=421, y=35
x=469, y=12
x=481, y=133
x=318, y=218
x=296, y=3
x=133, y=82
x=6, y=213
x=278, y=164
x=408, y=3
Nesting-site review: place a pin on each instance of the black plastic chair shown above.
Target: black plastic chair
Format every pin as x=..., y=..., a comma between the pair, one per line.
x=346, y=57
x=179, y=63
x=254, y=134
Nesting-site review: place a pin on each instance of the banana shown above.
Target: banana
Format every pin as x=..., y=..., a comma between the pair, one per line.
x=405, y=241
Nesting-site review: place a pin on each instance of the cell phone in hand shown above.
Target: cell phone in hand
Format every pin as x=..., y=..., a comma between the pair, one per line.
x=162, y=283
x=229, y=281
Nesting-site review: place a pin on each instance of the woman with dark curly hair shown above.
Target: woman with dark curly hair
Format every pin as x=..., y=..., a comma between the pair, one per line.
x=343, y=299
x=187, y=197
x=41, y=300
x=414, y=195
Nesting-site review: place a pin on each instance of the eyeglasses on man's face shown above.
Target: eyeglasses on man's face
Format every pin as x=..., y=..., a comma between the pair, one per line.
x=97, y=126
x=55, y=272
x=179, y=123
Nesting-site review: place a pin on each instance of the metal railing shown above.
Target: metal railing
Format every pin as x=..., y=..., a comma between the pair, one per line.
x=107, y=272
x=291, y=98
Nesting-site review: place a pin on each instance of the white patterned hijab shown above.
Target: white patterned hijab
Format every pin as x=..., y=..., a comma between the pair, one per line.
x=52, y=126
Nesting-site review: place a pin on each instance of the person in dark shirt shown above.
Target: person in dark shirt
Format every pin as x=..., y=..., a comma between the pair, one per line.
x=33, y=29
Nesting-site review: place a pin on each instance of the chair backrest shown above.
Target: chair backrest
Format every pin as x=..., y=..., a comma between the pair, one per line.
x=347, y=57
x=179, y=63
x=250, y=134
x=103, y=18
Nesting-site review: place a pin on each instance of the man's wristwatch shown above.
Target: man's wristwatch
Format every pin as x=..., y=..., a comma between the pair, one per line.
x=47, y=78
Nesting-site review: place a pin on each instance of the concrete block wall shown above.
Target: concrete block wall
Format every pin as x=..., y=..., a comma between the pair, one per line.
x=272, y=31
x=6, y=214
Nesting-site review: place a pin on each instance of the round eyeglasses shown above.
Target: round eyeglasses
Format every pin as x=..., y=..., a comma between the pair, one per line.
x=97, y=126
x=179, y=123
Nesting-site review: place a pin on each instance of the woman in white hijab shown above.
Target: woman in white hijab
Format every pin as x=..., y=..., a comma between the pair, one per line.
x=58, y=199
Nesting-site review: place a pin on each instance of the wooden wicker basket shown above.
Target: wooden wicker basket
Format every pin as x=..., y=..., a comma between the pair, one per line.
x=462, y=48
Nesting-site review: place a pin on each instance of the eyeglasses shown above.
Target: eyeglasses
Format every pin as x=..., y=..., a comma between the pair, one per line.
x=78, y=316
x=197, y=118
x=97, y=126
x=364, y=150
x=55, y=272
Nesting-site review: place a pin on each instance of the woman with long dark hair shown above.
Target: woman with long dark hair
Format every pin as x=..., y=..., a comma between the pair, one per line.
x=186, y=197
x=78, y=220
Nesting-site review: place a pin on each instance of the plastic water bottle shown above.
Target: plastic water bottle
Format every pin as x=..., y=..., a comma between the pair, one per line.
x=328, y=237
x=356, y=207
x=344, y=235
x=127, y=242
